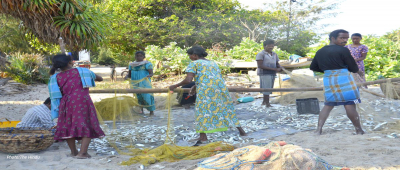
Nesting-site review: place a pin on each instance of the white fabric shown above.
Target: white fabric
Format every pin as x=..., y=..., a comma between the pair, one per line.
x=38, y=116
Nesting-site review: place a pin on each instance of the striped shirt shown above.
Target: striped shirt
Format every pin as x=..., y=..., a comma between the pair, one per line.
x=38, y=116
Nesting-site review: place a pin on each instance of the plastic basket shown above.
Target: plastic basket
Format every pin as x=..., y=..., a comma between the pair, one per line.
x=307, y=106
x=8, y=123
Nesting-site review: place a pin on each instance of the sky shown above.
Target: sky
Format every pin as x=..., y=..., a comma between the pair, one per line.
x=362, y=16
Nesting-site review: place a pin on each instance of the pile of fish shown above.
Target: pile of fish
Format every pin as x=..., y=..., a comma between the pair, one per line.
x=143, y=134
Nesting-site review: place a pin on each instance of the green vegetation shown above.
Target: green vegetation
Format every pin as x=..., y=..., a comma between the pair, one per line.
x=113, y=30
x=27, y=68
x=81, y=25
x=248, y=49
x=383, y=55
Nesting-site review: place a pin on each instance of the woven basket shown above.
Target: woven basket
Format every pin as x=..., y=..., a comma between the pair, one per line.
x=21, y=140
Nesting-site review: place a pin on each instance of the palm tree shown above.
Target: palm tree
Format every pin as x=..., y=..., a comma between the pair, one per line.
x=78, y=23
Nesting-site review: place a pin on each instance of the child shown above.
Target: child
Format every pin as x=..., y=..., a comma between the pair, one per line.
x=71, y=102
x=140, y=72
x=267, y=63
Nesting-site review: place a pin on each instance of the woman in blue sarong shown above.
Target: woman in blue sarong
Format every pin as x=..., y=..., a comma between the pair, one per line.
x=140, y=72
x=336, y=62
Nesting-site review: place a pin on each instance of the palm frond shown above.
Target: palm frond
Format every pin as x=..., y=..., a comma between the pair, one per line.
x=50, y=19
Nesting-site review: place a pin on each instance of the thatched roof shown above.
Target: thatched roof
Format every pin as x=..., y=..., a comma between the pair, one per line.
x=50, y=19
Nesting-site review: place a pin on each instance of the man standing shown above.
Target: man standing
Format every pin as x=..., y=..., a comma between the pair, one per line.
x=336, y=62
x=38, y=116
x=267, y=63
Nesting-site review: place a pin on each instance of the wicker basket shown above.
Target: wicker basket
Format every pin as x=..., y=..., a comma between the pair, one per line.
x=20, y=140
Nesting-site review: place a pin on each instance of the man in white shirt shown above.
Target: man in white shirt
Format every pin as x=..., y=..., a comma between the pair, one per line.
x=38, y=117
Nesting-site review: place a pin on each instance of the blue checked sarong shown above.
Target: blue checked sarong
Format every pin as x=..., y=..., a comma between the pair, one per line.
x=339, y=86
x=87, y=78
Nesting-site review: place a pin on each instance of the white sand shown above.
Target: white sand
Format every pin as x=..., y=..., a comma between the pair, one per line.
x=338, y=147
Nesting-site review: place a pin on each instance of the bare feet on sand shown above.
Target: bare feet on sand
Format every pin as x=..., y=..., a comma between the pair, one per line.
x=83, y=156
x=74, y=153
x=266, y=104
x=241, y=131
x=318, y=131
x=359, y=131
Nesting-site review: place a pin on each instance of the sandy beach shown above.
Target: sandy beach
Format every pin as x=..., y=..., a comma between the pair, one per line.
x=377, y=149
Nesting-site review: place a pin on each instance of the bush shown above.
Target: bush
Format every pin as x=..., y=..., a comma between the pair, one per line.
x=382, y=58
x=248, y=49
x=168, y=59
x=173, y=59
x=27, y=69
x=105, y=57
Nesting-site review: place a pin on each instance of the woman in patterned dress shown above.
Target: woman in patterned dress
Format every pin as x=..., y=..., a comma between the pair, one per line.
x=214, y=107
x=359, y=53
x=140, y=72
x=77, y=118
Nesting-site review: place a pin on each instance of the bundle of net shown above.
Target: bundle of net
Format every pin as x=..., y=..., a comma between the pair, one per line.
x=298, y=80
x=125, y=131
x=275, y=155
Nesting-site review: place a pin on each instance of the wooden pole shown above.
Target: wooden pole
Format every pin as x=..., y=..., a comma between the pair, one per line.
x=62, y=45
x=233, y=89
x=280, y=86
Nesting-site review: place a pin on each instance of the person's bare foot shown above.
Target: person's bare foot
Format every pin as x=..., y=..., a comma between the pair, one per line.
x=151, y=113
x=83, y=156
x=318, y=131
x=74, y=153
x=241, y=131
x=359, y=131
x=268, y=105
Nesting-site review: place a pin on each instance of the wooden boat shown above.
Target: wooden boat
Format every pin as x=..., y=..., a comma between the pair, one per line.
x=294, y=65
x=284, y=63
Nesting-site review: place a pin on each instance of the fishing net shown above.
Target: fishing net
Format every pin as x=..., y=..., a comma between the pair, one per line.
x=275, y=155
x=298, y=79
x=378, y=110
x=122, y=121
x=124, y=125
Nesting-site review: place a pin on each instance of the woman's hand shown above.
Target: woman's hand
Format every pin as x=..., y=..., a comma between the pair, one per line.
x=150, y=75
x=173, y=87
x=192, y=91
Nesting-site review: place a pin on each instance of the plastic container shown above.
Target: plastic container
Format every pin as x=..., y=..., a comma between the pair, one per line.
x=307, y=106
x=8, y=124
x=245, y=99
